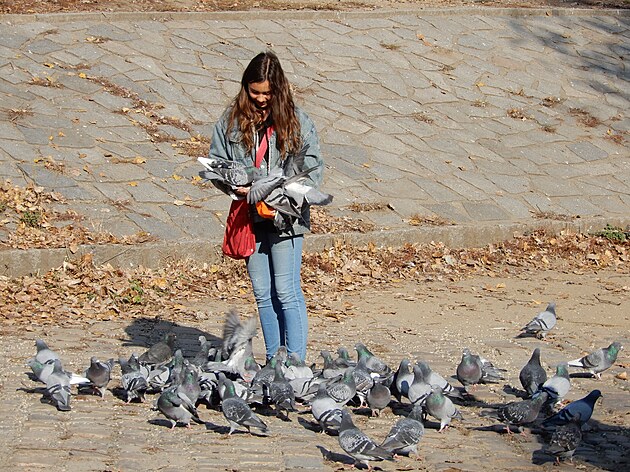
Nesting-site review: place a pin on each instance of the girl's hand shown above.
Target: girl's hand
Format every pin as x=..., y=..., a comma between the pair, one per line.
x=241, y=191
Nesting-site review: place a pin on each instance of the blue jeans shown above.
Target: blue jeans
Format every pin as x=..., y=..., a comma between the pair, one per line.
x=274, y=270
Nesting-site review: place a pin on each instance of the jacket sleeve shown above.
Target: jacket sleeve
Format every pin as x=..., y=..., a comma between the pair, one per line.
x=313, y=157
x=220, y=149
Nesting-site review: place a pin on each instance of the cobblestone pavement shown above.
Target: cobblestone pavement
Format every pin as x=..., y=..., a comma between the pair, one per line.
x=430, y=320
x=483, y=118
x=479, y=117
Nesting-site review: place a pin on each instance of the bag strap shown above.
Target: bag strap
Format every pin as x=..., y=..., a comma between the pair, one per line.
x=264, y=144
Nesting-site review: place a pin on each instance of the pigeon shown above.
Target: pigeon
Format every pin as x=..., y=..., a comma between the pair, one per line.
x=403, y=379
x=236, y=345
x=598, y=361
x=343, y=390
x=519, y=413
x=532, y=375
x=177, y=407
x=226, y=175
x=542, y=323
x=343, y=358
x=565, y=439
x=331, y=369
x=473, y=370
x=297, y=368
x=378, y=398
x=237, y=411
x=58, y=386
x=357, y=444
x=372, y=363
x=440, y=407
x=325, y=410
x=281, y=392
x=44, y=353
x=419, y=389
x=203, y=355
x=159, y=353
x=363, y=380
x=99, y=373
x=404, y=436
x=42, y=371
x=250, y=369
x=433, y=378
x=133, y=380
x=582, y=408
x=190, y=385
x=557, y=386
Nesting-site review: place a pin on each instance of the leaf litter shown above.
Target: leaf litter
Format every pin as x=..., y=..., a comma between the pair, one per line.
x=81, y=291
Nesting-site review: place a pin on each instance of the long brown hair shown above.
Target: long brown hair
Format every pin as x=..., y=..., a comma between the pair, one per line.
x=266, y=66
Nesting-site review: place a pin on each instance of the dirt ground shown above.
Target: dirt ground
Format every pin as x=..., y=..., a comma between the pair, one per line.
x=55, y=6
x=431, y=320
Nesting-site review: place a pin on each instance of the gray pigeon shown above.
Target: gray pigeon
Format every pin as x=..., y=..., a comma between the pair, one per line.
x=343, y=358
x=177, y=407
x=325, y=410
x=557, y=386
x=100, y=373
x=542, y=323
x=237, y=411
x=203, y=355
x=372, y=362
x=331, y=370
x=357, y=444
x=419, y=389
x=159, y=353
x=519, y=413
x=582, y=408
x=473, y=370
x=433, y=378
x=226, y=175
x=58, y=386
x=44, y=353
x=296, y=368
x=378, y=398
x=598, y=361
x=343, y=390
x=190, y=385
x=532, y=375
x=403, y=379
x=237, y=345
x=405, y=435
x=281, y=392
x=440, y=407
x=566, y=439
x=363, y=380
x=133, y=380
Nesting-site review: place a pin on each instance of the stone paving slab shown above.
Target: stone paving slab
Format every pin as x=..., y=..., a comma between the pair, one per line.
x=491, y=111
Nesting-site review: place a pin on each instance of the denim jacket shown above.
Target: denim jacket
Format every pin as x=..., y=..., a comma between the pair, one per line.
x=227, y=145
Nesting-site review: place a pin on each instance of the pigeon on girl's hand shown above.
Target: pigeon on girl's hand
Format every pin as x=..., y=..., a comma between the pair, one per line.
x=532, y=375
x=100, y=373
x=582, y=408
x=598, y=361
x=405, y=435
x=440, y=407
x=542, y=323
x=565, y=440
x=357, y=444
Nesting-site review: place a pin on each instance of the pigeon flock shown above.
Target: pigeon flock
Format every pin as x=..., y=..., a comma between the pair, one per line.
x=225, y=376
